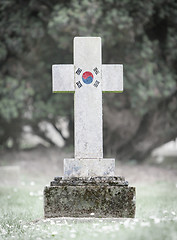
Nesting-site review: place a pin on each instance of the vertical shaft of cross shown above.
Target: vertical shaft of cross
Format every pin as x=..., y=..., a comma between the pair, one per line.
x=88, y=99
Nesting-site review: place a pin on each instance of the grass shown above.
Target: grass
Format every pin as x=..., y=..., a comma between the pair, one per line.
x=21, y=216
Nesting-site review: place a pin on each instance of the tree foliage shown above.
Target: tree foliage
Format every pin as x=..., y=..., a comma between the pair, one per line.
x=141, y=35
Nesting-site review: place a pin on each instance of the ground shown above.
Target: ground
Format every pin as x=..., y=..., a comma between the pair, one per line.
x=24, y=174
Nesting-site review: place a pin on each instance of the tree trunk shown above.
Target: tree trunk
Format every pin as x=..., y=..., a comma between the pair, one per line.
x=156, y=127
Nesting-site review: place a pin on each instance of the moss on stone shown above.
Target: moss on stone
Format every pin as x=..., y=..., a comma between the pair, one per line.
x=81, y=201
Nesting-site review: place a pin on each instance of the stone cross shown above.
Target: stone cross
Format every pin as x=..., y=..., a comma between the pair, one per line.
x=87, y=78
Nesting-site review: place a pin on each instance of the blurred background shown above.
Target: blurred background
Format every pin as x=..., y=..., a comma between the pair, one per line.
x=140, y=124
x=141, y=35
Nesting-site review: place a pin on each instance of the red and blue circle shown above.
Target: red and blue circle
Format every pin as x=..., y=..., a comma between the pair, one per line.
x=87, y=77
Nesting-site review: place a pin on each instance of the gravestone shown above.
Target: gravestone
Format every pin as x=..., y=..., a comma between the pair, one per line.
x=89, y=186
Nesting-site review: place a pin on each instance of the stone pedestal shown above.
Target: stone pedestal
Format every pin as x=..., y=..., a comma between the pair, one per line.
x=89, y=197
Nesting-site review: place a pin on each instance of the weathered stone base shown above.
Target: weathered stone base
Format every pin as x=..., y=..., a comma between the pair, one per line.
x=89, y=197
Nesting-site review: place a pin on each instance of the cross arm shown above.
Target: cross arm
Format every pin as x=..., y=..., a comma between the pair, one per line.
x=112, y=78
x=63, y=78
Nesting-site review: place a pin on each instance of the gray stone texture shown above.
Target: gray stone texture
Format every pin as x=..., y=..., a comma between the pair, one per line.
x=88, y=105
x=89, y=197
x=89, y=167
x=88, y=100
